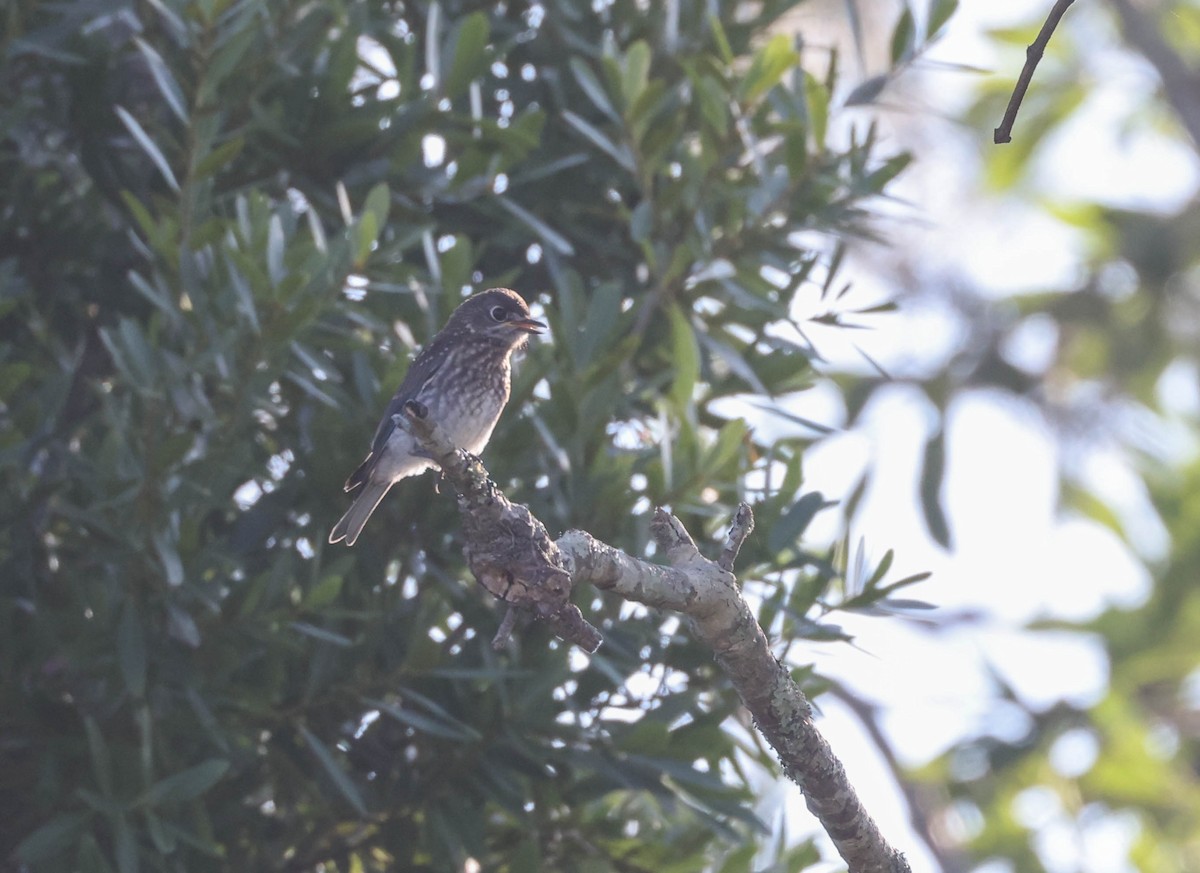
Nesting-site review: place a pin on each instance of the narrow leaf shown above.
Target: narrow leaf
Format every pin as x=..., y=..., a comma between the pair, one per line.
x=149, y=147
x=685, y=355
x=131, y=650
x=164, y=79
x=768, y=66
x=592, y=88
x=938, y=16
x=932, y=472
x=545, y=232
x=334, y=771
x=903, y=38
x=51, y=839
x=620, y=154
x=186, y=784
x=791, y=525
x=470, y=54
x=635, y=72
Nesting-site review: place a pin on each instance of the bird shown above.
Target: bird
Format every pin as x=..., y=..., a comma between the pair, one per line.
x=463, y=378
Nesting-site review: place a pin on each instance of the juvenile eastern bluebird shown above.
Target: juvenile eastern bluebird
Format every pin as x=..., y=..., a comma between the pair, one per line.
x=463, y=378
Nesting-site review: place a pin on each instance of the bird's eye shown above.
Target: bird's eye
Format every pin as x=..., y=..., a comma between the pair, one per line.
x=499, y=313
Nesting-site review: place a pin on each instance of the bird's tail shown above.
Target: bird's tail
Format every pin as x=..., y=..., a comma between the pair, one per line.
x=360, y=510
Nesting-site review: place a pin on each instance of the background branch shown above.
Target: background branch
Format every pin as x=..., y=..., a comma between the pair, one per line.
x=1181, y=83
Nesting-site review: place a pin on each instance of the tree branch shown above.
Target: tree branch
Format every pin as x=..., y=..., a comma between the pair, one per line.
x=511, y=555
x=1181, y=83
x=1033, y=54
x=508, y=549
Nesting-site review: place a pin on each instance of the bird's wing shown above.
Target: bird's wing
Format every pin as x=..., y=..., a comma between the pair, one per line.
x=413, y=385
x=426, y=364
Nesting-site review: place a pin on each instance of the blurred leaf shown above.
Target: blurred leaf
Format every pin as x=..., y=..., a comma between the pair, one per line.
x=334, y=771
x=816, y=98
x=148, y=145
x=904, y=37
x=185, y=785
x=218, y=158
x=635, y=72
x=620, y=153
x=768, y=66
x=470, y=56
x=164, y=79
x=685, y=357
x=593, y=88
x=131, y=650
x=933, y=470
x=52, y=839
x=867, y=91
x=320, y=633
x=787, y=530
x=544, y=232
x=101, y=759
x=439, y=724
x=940, y=13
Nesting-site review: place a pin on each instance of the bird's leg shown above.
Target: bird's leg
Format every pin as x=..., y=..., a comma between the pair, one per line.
x=417, y=408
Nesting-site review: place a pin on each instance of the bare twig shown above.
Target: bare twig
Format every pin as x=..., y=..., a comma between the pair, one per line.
x=1033, y=55
x=500, y=640
x=740, y=528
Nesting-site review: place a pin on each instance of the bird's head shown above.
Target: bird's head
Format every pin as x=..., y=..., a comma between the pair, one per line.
x=497, y=313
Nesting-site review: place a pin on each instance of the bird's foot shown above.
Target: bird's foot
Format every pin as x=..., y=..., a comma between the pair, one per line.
x=417, y=408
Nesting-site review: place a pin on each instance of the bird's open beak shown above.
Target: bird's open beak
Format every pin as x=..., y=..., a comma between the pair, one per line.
x=529, y=325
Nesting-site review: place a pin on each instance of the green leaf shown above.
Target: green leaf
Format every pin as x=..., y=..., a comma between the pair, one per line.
x=791, y=525
x=730, y=440
x=367, y=235
x=218, y=158
x=334, y=771
x=440, y=724
x=12, y=376
x=545, y=232
x=939, y=14
x=933, y=470
x=470, y=56
x=635, y=72
x=52, y=839
x=148, y=145
x=101, y=759
x=275, y=253
x=881, y=570
x=741, y=860
x=125, y=845
x=904, y=38
x=186, y=784
x=320, y=633
x=721, y=39
x=164, y=79
x=131, y=650
x=593, y=88
x=619, y=153
x=324, y=592
x=866, y=92
x=768, y=66
x=816, y=102
x=685, y=357
x=378, y=203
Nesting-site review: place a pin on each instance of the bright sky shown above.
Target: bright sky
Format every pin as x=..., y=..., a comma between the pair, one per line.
x=1015, y=558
